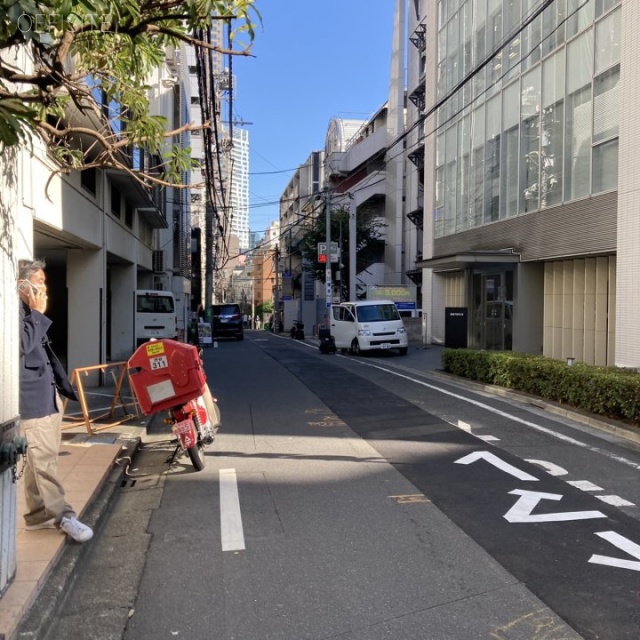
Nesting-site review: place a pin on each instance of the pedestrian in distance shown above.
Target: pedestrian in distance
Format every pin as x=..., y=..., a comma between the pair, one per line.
x=42, y=379
x=258, y=323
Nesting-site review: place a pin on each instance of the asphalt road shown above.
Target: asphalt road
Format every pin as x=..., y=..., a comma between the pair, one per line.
x=353, y=498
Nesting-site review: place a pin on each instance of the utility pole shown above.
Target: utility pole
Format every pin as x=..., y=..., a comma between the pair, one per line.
x=252, y=324
x=353, y=254
x=329, y=283
x=208, y=262
x=276, y=293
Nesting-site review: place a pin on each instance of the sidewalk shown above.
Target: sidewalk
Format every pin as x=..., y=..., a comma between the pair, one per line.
x=90, y=467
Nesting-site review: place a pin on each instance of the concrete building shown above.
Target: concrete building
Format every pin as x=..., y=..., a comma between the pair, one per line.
x=300, y=204
x=102, y=236
x=530, y=202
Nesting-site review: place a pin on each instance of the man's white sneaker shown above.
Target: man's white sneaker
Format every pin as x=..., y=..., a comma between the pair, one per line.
x=47, y=524
x=76, y=530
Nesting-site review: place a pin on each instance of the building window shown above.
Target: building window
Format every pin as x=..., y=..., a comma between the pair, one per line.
x=530, y=142
x=476, y=172
x=115, y=200
x=602, y=6
x=606, y=104
x=88, y=180
x=492, y=161
x=553, y=26
x=605, y=166
x=510, y=144
x=128, y=215
x=552, y=139
x=578, y=117
x=580, y=16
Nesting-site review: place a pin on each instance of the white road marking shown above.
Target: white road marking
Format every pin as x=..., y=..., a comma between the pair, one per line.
x=504, y=414
x=521, y=510
x=584, y=485
x=230, y=516
x=624, y=544
x=549, y=467
x=496, y=462
x=465, y=426
x=616, y=501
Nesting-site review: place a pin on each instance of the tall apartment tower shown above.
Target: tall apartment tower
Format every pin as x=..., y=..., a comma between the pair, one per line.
x=236, y=168
x=529, y=116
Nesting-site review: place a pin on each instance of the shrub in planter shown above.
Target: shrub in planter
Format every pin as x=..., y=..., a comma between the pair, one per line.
x=605, y=391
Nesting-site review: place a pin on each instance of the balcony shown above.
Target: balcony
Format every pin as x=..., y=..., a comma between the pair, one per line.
x=417, y=157
x=417, y=217
x=417, y=96
x=418, y=37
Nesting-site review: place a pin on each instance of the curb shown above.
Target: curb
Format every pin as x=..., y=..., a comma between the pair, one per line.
x=62, y=574
x=613, y=427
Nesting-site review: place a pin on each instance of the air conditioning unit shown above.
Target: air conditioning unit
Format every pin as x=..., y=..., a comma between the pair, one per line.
x=158, y=261
x=172, y=54
x=161, y=283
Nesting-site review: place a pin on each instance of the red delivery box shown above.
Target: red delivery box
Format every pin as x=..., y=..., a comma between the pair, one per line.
x=165, y=373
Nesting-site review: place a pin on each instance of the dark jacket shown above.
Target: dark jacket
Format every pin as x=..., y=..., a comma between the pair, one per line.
x=37, y=382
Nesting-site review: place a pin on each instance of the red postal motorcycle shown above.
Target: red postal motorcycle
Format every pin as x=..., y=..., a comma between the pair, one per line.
x=168, y=375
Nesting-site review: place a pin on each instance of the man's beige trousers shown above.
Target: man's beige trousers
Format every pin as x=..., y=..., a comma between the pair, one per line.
x=44, y=493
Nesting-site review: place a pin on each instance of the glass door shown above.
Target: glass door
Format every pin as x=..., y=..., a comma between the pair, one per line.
x=493, y=310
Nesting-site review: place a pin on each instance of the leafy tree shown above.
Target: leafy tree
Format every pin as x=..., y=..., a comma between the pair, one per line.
x=264, y=308
x=369, y=243
x=62, y=61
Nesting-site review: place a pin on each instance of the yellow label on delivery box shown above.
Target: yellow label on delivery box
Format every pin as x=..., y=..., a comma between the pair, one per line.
x=155, y=348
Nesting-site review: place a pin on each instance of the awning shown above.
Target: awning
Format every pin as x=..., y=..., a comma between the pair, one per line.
x=468, y=259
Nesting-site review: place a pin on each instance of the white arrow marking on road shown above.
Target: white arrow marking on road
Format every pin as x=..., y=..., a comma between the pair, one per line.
x=231, y=530
x=521, y=510
x=624, y=544
x=493, y=459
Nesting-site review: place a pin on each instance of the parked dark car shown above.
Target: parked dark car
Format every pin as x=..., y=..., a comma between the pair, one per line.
x=227, y=321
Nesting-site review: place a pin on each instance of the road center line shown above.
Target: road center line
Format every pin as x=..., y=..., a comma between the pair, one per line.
x=231, y=530
x=504, y=414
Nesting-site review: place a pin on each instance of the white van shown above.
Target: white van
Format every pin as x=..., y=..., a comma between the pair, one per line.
x=367, y=325
x=155, y=315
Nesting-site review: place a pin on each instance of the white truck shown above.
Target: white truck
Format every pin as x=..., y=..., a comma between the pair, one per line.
x=155, y=315
x=367, y=325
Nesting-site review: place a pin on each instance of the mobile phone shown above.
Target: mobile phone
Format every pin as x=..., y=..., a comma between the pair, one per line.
x=26, y=285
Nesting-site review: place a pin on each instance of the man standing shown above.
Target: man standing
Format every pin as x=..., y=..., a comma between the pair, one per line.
x=41, y=412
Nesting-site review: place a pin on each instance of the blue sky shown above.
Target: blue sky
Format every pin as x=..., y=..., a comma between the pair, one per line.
x=313, y=61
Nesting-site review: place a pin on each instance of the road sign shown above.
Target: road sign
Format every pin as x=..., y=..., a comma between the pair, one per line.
x=334, y=252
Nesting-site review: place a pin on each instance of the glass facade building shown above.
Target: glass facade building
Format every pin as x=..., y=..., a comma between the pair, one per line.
x=530, y=195
x=529, y=113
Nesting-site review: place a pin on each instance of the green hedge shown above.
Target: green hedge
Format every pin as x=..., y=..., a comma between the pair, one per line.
x=605, y=391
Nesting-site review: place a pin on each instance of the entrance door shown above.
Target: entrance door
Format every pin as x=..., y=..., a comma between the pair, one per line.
x=493, y=310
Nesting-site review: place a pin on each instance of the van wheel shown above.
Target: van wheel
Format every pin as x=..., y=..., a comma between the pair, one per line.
x=403, y=351
x=355, y=347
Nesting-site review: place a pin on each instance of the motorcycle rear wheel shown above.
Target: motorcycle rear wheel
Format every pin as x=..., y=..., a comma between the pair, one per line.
x=196, y=455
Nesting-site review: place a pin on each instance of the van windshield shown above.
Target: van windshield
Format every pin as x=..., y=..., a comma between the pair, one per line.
x=377, y=313
x=155, y=304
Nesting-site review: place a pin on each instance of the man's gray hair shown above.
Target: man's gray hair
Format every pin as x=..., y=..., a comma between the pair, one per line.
x=26, y=268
